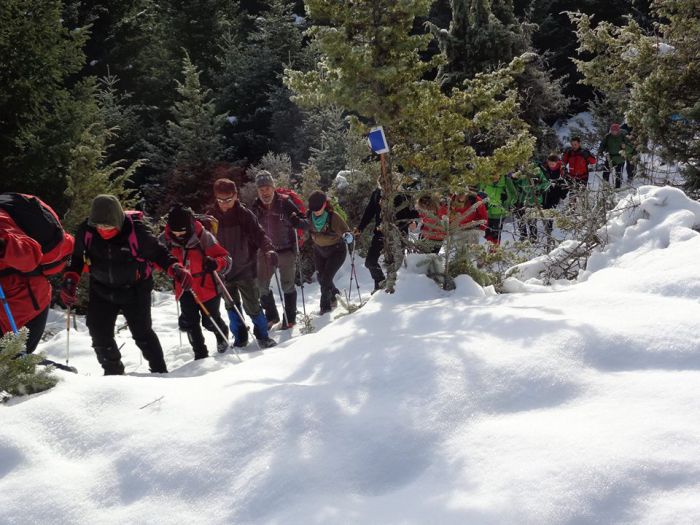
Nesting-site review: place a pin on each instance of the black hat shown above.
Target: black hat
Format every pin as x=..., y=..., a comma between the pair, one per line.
x=317, y=200
x=181, y=218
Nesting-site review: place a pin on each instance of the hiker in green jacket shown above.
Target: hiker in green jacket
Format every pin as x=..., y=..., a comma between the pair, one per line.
x=531, y=185
x=501, y=195
x=616, y=148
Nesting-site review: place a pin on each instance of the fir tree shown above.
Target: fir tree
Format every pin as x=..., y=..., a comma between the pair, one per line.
x=193, y=143
x=20, y=376
x=654, y=77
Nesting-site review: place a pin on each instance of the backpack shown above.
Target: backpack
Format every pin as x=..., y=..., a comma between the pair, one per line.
x=209, y=222
x=38, y=221
x=131, y=215
x=294, y=196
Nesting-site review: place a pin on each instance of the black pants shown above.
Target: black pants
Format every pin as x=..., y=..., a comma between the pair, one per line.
x=328, y=260
x=101, y=318
x=616, y=172
x=494, y=227
x=527, y=227
x=192, y=319
x=372, y=259
x=36, y=330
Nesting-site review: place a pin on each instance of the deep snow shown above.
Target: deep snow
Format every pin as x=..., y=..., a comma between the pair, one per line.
x=575, y=406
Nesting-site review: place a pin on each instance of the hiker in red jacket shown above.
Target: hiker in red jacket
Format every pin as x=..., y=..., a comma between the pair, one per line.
x=197, y=249
x=23, y=271
x=576, y=162
x=468, y=217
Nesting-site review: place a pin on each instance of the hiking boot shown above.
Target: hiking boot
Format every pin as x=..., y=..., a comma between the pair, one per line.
x=266, y=342
x=222, y=346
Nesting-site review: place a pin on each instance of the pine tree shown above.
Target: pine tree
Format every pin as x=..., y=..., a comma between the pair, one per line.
x=20, y=376
x=41, y=114
x=654, y=77
x=485, y=35
x=372, y=67
x=193, y=143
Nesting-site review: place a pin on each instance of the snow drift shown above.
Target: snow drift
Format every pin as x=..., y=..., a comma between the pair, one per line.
x=576, y=406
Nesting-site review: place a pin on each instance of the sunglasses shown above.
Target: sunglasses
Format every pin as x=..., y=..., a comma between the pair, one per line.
x=178, y=233
x=226, y=200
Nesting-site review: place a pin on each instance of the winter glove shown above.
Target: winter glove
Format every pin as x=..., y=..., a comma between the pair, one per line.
x=348, y=238
x=181, y=275
x=272, y=259
x=210, y=264
x=69, y=289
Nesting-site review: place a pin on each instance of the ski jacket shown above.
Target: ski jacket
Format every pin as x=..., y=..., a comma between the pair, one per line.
x=280, y=221
x=466, y=215
x=117, y=274
x=192, y=255
x=241, y=236
x=614, y=146
x=332, y=231
x=28, y=293
x=501, y=195
x=554, y=174
x=531, y=188
x=577, y=161
x=404, y=213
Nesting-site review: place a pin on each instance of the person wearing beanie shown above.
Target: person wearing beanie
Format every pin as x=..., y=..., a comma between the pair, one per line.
x=576, y=161
x=119, y=251
x=330, y=235
x=241, y=235
x=197, y=249
x=616, y=148
x=280, y=217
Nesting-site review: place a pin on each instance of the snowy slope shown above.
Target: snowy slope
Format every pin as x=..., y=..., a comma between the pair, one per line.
x=575, y=406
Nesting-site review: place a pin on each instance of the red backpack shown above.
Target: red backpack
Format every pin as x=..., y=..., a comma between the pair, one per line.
x=299, y=204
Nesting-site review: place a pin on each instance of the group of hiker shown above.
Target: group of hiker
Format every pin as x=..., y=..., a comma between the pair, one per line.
x=233, y=251
x=237, y=253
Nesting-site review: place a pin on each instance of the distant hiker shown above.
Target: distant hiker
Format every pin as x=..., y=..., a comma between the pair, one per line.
x=557, y=190
x=33, y=246
x=404, y=216
x=576, y=161
x=432, y=230
x=501, y=196
x=330, y=235
x=616, y=148
x=280, y=217
x=468, y=217
x=241, y=235
x=197, y=249
x=119, y=251
x=531, y=185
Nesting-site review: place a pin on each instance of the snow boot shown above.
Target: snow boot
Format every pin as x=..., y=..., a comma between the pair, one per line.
x=196, y=339
x=110, y=359
x=238, y=329
x=260, y=331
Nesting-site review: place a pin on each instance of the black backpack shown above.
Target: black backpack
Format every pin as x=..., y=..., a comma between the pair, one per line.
x=34, y=218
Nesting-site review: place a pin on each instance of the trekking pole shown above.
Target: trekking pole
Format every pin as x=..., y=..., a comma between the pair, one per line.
x=353, y=273
x=284, y=306
x=8, y=311
x=68, y=334
x=232, y=304
x=301, y=277
x=208, y=314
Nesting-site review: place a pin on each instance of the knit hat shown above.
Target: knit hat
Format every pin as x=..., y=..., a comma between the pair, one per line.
x=316, y=200
x=264, y=178
x=180, y=219
x=614, y=128
x=106, y=210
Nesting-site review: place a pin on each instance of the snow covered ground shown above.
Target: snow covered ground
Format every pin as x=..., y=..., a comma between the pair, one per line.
x=575, y=406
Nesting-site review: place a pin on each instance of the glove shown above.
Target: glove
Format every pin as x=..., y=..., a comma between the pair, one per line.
x=182, y=276
x=272, y=258
x=69, y=289
x=210, y=264
x=348, y=238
